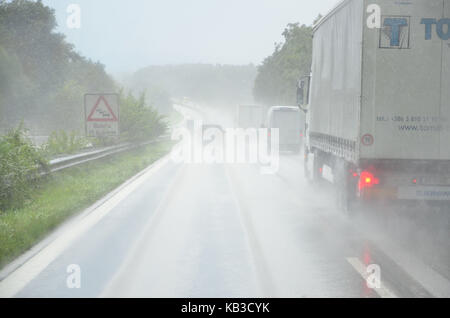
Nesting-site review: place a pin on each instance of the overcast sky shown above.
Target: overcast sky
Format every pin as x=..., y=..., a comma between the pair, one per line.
x=129, y=34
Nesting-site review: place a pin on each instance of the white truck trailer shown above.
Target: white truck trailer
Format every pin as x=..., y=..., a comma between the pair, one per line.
x=378, y=101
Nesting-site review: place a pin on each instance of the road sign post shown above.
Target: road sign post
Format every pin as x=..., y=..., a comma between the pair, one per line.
x=101, y=115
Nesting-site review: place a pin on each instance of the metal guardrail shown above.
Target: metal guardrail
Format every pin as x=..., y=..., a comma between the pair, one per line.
x=78, y=159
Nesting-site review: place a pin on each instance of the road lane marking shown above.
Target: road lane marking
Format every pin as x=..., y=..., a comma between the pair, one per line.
x=264, y=275
x=116, y=282
x=432, y=281
x=18, y=279
x=383, y=291
x=425, y=277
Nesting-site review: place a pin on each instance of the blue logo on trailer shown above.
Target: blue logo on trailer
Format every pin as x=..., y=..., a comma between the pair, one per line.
x=442, y=28
x=395, y=25
x=395, y=32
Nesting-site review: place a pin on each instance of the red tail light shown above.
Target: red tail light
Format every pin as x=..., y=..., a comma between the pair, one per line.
x=367, y=180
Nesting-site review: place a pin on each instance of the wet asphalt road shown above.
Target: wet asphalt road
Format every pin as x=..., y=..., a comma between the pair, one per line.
x=228, y=231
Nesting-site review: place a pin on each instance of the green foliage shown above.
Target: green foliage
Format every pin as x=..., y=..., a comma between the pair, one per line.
x=27, y=31
x=61, y=142
x=19, y=165
x=139, y=121
x=277, y=77
x=42, y=78
x=66, y=193
x=15, y=88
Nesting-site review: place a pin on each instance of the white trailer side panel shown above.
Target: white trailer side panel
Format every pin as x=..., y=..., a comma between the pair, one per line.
x=445, y=88
x=336, y=69
x=402, y=87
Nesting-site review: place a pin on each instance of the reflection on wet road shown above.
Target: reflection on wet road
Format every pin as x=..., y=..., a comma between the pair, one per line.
x=229, y=231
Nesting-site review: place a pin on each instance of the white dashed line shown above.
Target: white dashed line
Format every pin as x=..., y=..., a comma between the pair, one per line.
x=383, y=291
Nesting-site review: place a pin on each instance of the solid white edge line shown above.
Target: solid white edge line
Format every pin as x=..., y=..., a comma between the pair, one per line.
x=383, y=291
x=19, y=278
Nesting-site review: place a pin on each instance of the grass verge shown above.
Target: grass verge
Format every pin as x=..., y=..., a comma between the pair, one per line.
x=67, y=192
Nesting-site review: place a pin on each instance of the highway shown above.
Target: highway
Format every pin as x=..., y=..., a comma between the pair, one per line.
x=226, y=230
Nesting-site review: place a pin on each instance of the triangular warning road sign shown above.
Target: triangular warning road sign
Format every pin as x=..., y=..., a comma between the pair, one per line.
x=102, y=111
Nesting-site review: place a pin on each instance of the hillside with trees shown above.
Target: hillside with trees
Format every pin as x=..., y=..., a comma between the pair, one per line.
x=277, y=76
x=42, y=84
x=203, y=83
x=42, y=77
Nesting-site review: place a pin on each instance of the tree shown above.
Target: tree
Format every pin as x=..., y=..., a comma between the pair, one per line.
x=42, y=78
x=277, y=77
x=138, y=120
x=15, y=87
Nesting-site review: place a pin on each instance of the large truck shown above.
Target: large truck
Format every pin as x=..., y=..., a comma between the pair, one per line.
x=377, y=101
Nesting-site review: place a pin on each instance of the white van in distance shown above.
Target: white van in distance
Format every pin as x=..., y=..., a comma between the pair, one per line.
x=288, y=119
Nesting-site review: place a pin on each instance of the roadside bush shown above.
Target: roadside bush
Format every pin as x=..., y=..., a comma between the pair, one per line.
x=20, y=163
x=61, y=142
x=139, y=121
x=105, y=141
